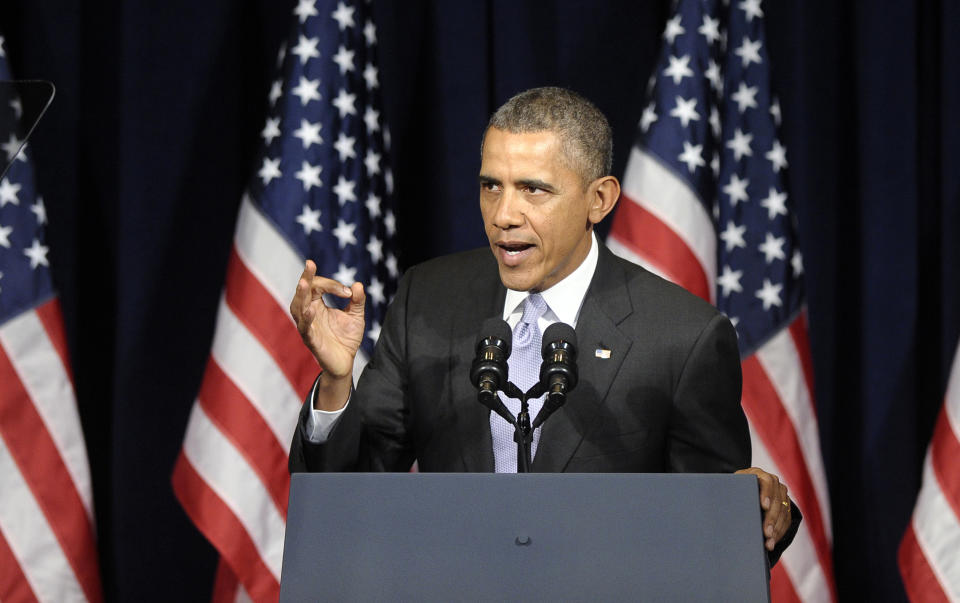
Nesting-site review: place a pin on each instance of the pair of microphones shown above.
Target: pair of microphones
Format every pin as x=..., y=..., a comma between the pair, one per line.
x=558, y=371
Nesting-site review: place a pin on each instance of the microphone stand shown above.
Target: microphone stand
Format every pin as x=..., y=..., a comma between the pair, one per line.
x=523, y=433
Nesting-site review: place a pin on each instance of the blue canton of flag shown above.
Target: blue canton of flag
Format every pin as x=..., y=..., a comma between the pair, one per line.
x=713, y=120
x=24, y=269
x=324, y=177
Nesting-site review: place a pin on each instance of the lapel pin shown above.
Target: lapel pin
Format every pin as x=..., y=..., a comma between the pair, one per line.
x=602, y=353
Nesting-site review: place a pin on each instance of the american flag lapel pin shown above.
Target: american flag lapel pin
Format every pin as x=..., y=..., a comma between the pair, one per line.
x=602, y=353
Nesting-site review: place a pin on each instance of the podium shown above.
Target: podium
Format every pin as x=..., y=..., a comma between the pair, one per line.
x=526, y=537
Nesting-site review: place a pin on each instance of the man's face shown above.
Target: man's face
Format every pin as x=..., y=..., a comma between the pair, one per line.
x=535, y=209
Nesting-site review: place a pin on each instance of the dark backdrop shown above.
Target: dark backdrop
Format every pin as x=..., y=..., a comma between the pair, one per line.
x=145, y=152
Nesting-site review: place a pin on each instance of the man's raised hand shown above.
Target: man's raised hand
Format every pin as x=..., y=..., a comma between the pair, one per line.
x=332, y=335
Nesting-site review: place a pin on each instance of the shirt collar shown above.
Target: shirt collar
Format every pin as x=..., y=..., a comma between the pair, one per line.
x=564, y=298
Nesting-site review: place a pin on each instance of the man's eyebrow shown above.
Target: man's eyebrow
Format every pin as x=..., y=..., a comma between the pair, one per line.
x=537, y=184
x=483, y=179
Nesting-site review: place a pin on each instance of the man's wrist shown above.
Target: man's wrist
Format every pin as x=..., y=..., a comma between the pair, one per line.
x=332, y=393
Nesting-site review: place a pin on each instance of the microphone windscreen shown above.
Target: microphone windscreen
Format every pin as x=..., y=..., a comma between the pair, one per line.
x=497, y=327
x=558, y=331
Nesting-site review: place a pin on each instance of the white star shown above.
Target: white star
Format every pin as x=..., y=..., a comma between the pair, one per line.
x=391, y=224
x=749, y=51
x=648, y=118
x=374, y=331
x=8, y=192
x=679, y=68
x=375, y=291
x=271, y=130
x=772, y=248
x=745, y=96
x=737, y=189
x=733, y=236
x=715, y=122
x=740, y=144
x=40, y=210
x=37, y=254
x=686, y=111
x=345, y=103
x=797, y=262
x=751, y=8
x=710, y=29
x=344, y=233
x=345, y=275
x=370, y=75
x=13, y=146
x=775, y=111
x=776, y=203
x=345, y=190
x=370, y=33
x=307, y=90
x=372, y=161
x=276, y=91
x=344, y=146
x=713, y=74
x=692, y=155
x=17, y=107
x=344, y=59
x=269, y=170
x=305, y=9
x=308, y=133
x=770, y=294
x=309, y=219
x=730, y=281
x=391, y=265
x=373, y=205
x=5, y=236
x=309, y=175
x=735, y=321
x=777, y=156
x=375, y=249
x=343, y=16
x=306, y=48
x=673, y=29
x=372, y=119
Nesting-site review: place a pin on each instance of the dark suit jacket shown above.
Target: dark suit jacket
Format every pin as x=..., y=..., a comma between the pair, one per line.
x=667, y=398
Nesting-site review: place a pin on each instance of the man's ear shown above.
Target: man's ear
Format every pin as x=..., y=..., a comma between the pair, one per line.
x=604, y=193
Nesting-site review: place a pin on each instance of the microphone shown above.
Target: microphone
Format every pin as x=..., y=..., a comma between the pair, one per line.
x=558, y=373
x=488, y=373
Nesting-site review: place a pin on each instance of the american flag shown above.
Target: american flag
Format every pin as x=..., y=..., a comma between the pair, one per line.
x=928, y=557
x=48, y=547
x=705, y=204
x=322, y=189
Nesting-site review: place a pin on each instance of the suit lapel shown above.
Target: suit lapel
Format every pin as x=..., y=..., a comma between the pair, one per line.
x=606, y=304
x=482, y=299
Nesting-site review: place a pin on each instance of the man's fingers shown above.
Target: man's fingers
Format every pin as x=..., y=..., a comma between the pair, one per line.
x=358, y=298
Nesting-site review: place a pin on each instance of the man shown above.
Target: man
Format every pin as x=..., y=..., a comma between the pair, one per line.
x=659, y=386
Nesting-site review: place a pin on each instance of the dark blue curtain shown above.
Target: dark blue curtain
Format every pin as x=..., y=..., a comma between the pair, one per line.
x=146, y=150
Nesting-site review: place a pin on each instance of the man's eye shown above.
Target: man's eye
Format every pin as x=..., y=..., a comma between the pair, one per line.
x=489, y=186
x=534, y=190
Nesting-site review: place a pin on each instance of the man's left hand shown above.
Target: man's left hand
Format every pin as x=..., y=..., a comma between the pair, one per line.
x=775, y=504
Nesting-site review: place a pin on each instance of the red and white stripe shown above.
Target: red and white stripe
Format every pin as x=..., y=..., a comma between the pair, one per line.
x=663, y=226
x=47, y=539
x=928, y=557
x=231, y=476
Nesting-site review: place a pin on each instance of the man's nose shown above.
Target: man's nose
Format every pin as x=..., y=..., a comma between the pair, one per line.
x=509, y=210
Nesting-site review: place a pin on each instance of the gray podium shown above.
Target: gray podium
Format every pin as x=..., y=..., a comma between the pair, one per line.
x=530, y=537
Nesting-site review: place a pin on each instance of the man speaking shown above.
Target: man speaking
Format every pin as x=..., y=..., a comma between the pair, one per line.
x=659, y=371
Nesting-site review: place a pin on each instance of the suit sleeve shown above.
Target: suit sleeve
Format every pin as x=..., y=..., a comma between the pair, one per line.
x=708, y=430
x=372, y=432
